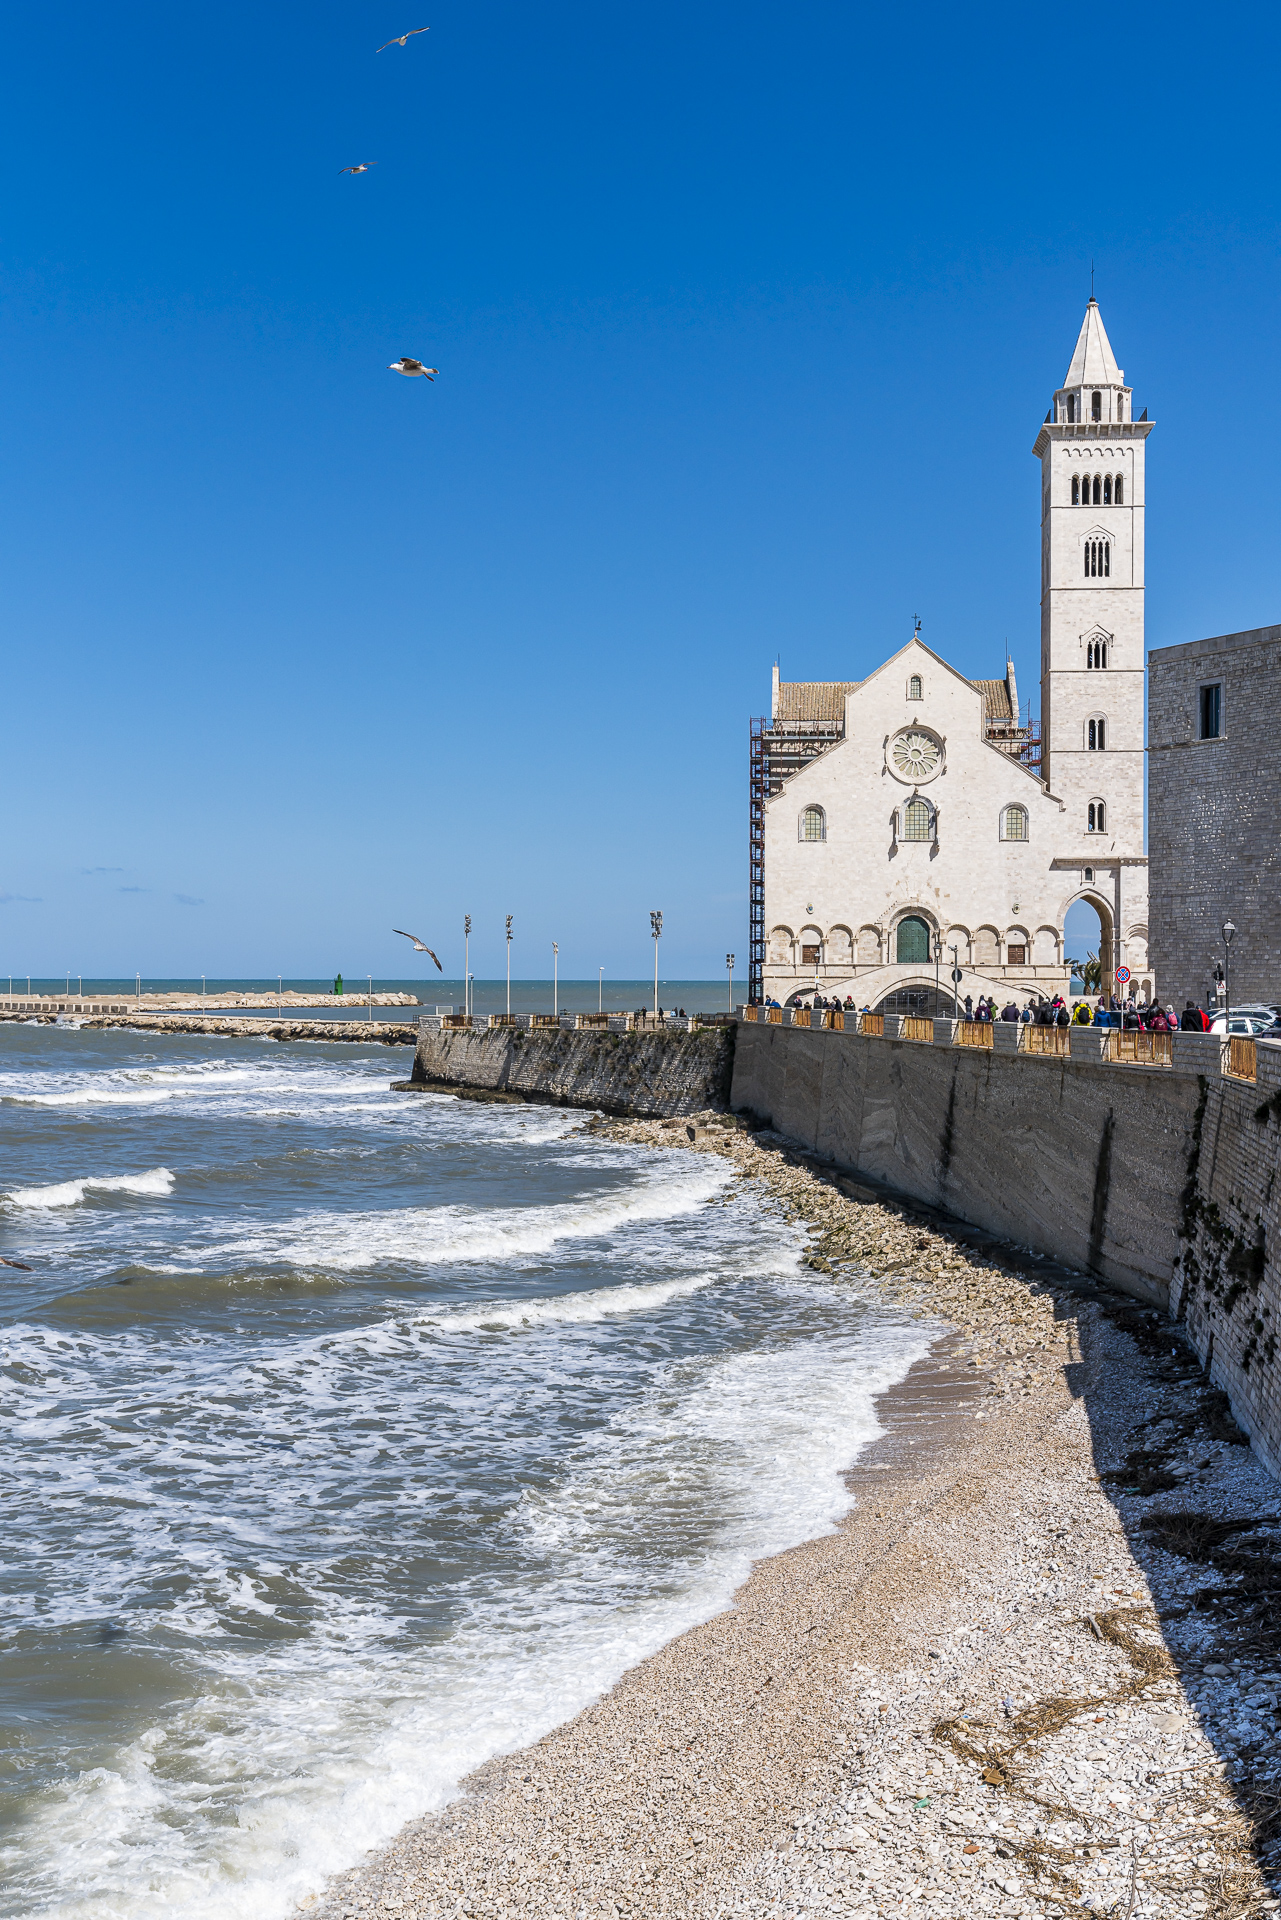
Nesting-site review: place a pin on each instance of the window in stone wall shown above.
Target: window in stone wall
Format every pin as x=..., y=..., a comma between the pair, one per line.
x=917, y=820
x=1096, y=817
x=1098, y=554
x=1212, y=711
x=1014, y=823
x=813, y=824
x=1076, y=490
x=1096, y=653
x=1096, y=735
x=1096, y=406
x=1107, y=489
x=914, y=687
x=1118, y=491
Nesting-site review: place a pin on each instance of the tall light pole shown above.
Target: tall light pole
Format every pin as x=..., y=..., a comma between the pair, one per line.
x=137, y=988
x=600, y=990
x=370, y=978
x=729, y=968
x=466, y=963
x=938, y=955
x=656, y=928
x=202, y=986
x=280, y=992
x=556, y=979
x=1229, y=933
x=509, y=964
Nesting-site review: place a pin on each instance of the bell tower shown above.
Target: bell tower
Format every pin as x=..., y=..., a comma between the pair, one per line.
x=1091, y=450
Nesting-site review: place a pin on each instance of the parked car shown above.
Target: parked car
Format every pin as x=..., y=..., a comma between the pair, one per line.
x=1249, y=1025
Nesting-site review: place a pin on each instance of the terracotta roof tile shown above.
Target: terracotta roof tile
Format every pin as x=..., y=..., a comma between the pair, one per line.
x=813, y=699
x=996, y=699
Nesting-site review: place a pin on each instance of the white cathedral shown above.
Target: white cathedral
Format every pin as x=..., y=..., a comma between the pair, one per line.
x=913, y=822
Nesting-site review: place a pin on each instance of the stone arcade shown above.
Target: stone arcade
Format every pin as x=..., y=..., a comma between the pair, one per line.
x=910, y=816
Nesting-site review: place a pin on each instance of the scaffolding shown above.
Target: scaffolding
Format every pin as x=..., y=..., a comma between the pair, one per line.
x=1021, y=743
x=778, y=749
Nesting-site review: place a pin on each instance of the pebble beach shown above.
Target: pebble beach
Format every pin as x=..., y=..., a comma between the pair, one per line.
x=1034, y=1671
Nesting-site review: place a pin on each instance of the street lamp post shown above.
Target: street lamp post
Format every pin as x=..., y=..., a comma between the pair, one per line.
x=370, y=978
x=137, y=990
x=600, y=990
x=509, y=964
x=938, y=955
x=202, y=986
x=280, y=992
x=729, y=968
x=656, y=928
x=1229, y=934
x=556, y=979
x=466, y=963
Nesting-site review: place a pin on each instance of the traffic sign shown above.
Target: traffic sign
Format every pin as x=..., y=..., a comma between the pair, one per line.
x=1122, y=975
x=957, y=975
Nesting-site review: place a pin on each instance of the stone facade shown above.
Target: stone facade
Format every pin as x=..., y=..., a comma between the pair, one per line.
x=1212, y=814
x=907, y=812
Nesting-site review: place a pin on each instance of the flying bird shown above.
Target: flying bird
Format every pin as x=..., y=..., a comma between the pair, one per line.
x=418, y=946
x=363, y=167
x=411, y=367
x=401, y=39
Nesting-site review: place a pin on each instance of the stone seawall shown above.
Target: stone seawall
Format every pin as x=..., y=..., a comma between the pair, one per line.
x=1084, y=1162
x=651, y=1075
x=1161, y=1180
x=1227, y=1280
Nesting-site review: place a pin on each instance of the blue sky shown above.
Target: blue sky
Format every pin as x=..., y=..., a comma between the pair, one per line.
x=746, y=318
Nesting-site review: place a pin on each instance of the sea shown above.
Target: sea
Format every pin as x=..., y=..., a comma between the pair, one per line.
x=351, y=1437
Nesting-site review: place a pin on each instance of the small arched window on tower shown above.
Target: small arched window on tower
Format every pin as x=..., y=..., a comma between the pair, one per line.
x=1107, y=489
x=1098, y=491
x=1096, y=736
x=914, y=687
x=1096, y=653
x=1096, y=817
x=1071, y=413
x=1096, y=406
x=1014, y=823
x=1098, y=558
x=1118, y=491
x=1076, y=491
x=813, y=824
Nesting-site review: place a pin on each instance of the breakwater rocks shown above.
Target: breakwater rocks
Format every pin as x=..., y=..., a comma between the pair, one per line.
x=388, y=1033
x=652, y=1074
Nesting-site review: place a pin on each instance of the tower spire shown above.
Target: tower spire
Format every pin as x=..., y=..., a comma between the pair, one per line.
x=1093, y=361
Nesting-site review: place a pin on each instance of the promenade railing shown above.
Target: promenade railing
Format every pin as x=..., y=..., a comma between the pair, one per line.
x=916, y=1028
x=973, y=1033
x=1046, y=1040
x=1139, y=1049
x=872, y=1023
x=1242, y=1062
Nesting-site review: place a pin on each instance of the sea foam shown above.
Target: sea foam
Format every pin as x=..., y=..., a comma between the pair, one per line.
x=69, y=1193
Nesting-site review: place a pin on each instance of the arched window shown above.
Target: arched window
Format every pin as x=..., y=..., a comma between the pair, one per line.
x=1098, y=491
x=913, y=941
x=1118, y=491
x=1098, y=555
x=1076, y=490
x=1096, y=653
x=918, y=820
x=813, y=824
x=1071, y=399
x=1014, y=823
x=1107, y=489
x=1096, y=406
x=1096, y=817
x=914, y=687
x=1088, y=876
x=1097, y=736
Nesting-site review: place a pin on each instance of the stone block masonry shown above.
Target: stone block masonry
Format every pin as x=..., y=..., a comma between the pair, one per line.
x=650, y=1074
x=1212, y=782
x=1227, y=1279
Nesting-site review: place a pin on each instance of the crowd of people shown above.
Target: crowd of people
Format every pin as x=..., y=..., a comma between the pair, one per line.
x=1133, y=1015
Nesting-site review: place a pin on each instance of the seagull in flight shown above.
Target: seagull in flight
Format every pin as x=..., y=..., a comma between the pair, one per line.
x=418, y=946
x=363, y=167
x=401, y=38
x=411, y=367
